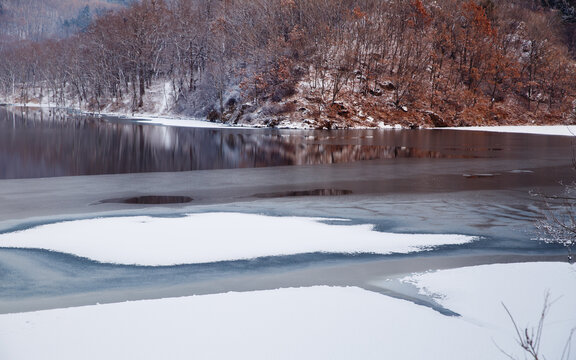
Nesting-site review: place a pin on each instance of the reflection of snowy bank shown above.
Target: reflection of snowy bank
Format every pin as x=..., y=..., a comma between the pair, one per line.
x=564, y=130
x=193, y=123
x=210, y=237
x=311, y=323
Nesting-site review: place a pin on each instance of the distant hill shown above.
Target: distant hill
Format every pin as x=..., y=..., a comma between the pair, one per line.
x=37, y=20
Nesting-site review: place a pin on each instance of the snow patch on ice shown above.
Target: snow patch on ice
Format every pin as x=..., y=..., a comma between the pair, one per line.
x=211, y=237
x=479, y=291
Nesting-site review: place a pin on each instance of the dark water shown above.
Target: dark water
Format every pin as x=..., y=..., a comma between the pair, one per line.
x=41, y=143
x=151, y=200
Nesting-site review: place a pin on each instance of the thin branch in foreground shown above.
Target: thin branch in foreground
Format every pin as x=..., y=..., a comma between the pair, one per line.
x=530, y=341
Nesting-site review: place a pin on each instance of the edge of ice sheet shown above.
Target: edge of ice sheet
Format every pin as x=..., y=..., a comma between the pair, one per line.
x=459, y=290
x=294, y=323
x=312, y=323
x=213, y=237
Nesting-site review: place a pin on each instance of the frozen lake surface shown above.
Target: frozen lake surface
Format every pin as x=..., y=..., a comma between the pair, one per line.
x=56, y=167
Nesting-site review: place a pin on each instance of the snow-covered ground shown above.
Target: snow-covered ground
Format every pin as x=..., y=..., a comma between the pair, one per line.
x=210, y=237
x=563, y=130
x=313, y=323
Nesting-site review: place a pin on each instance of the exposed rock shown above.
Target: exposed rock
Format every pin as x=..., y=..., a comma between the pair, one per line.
x=437, y=121
x=272, y=122
x=315, y=100
x=387, y=85
x=324, y=124
x=213, y=116
x=233, y=119
x=375, y=92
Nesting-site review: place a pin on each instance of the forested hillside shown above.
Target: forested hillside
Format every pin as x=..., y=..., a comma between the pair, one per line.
x=321, y=63
x=41, y=19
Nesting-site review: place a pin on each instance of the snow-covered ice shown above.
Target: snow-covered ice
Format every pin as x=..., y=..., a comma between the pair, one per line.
x=311, y=323
x=210, y=237
x=479, y=293
x=563, y=130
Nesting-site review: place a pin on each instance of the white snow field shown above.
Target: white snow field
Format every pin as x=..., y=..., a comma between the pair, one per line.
x=312, y=323
x=210, y=237
x=478, y=293
x=563, y=130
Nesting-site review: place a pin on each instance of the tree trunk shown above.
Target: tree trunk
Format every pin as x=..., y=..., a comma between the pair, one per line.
x=142, y=88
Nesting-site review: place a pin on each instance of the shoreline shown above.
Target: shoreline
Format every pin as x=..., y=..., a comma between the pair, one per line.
x=174, y=120
x=193, y=122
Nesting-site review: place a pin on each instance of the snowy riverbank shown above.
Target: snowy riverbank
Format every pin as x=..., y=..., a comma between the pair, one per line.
x=163, y=119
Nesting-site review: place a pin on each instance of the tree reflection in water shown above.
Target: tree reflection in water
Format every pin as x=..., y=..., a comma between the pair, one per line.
x=45, y=143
